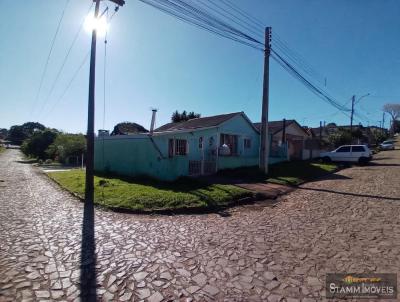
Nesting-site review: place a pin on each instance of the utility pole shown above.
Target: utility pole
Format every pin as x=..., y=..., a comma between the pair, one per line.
x=383, y=121
x=264, y=141
x=283, y=131
x=89, y=184
x=89, y=194
x=353, y=99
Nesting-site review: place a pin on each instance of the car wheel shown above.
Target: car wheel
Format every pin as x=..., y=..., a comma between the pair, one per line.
x=362, y=160
x=326, y=159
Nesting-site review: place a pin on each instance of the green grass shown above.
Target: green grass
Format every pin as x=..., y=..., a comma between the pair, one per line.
x=286, y=173
x=2, y=149
x=151, y=195
x=297, y=172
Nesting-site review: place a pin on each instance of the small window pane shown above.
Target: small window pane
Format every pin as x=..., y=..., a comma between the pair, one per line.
x=344, y=149
x=180, y=147
x=358, y=149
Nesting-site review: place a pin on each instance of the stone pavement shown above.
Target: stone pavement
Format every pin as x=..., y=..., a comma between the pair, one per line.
x=348, y=222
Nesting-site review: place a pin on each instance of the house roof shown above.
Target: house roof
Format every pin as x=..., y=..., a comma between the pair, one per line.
x=276, y=126
x=201, y=122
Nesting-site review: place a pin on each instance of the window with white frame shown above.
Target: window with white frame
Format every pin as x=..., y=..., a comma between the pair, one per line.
x=177, y=147
x=231, y=141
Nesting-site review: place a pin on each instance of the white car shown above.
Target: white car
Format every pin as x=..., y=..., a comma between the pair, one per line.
x=348, y=153
x=387, y=145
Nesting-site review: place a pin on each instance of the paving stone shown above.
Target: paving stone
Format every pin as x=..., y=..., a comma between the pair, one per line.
x=274, y=298
x=126, y=296
x=23, y=285
x=200, y=279
x=199, y=257
x=140, y=276
x=107, y=296
x=192, y=289
x=42, y=294
x=143, y=293
x=56, y=294
x=166, y=275
x=156, y=297
x=211, y=290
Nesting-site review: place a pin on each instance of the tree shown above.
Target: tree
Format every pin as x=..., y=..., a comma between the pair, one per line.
x=32, y=127
x=125, y=128
x=66, y=146
x=340, y=137
x=378, y=135
x=18, y=133
x=3, y=133
x=184, y=116
x=396, y=126
x=38, y=143
x=394, y=112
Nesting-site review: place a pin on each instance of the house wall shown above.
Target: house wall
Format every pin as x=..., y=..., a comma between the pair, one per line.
x=245, y=157
x=293, y=135
x=142, y=155
x=137, y=155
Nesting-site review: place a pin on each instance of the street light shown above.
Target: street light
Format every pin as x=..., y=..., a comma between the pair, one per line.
x=353, y=102
x=361, y=97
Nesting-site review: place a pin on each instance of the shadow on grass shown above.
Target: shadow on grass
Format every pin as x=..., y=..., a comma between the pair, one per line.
x=351, y=194
x=184, y=184
x=286, y=173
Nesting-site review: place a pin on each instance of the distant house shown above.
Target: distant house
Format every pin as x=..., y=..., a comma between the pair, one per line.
x=198, y=146
x=290, y=133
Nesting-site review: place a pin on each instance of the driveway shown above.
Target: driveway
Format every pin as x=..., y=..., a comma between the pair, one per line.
x=348, y=222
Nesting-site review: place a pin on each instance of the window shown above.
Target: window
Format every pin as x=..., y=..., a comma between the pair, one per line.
x=357, y=149
x=201, y=142
x=230, y=141
x=247, y=143
x=170, y=147
x=343, y=149
x=180, y=147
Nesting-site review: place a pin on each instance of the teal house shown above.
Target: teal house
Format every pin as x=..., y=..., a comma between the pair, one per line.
x=196, y=147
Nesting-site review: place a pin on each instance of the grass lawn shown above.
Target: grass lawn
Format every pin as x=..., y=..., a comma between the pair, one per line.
x=297, y=172
x=150, y=195
x=2, y=149
x=286, y=173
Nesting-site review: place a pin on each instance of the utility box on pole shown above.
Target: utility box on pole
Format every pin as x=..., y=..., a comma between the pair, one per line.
x=264, y=136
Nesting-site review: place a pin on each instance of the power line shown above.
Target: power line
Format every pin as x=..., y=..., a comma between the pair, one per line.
x=317, y=91
x=236, y=8
x=69, y=84
x=48, y=57
x=258, y=31
x=198, y=16
x=65, y=60
x=217, y=22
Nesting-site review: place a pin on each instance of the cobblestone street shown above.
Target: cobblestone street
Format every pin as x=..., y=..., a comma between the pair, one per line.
x=348, y=222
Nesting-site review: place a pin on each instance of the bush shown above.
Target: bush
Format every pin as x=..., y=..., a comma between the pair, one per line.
x=66, y=146
x=37, y=144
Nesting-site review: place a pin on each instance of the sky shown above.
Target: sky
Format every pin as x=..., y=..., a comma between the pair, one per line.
x=156, y=61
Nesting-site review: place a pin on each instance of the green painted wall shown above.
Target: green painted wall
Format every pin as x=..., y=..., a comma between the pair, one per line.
x=137, y=155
